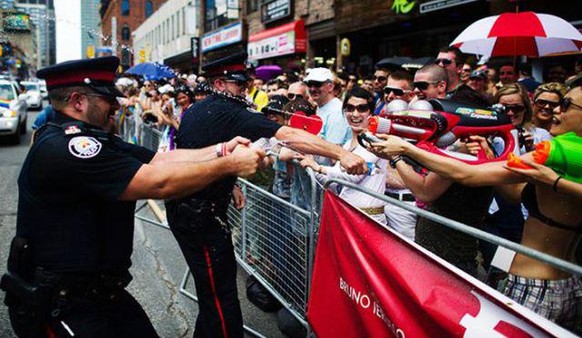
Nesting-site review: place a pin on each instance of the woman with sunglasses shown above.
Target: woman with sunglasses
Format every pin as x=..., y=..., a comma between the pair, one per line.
x=546, y=98
x=554, y=223
x=358, y=106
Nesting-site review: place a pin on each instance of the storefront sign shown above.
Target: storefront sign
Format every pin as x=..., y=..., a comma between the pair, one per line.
x=403, y=6
x=345, y=47
x=194, y=50
x=283, y=40
x=226, y=36
x=370, y=282
x=275, y=10
x=441, y=4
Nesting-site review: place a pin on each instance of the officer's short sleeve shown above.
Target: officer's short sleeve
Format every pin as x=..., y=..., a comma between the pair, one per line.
x=87, y=165
x=254, y=126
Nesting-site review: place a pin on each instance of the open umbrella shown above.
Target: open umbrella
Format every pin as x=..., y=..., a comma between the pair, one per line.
x=268, y=72
x=526, y=33
x=152, y=71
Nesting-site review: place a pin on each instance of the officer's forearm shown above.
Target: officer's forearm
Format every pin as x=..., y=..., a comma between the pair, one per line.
x=305, y=142
x=169, y=180
x=185, y=155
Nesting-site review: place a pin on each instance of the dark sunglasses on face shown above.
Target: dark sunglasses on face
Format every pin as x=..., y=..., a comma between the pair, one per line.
x=505, y=73
x=112, y=100
x=379, y=78
x=423, y=85
x=292, y=96
x=516, y=108
x=315, y=84
x=445, y=62
x=566, y=103
x=466, y=70
x=541, y=103
x=237, y=82
x=362, y=108
x=396, y=91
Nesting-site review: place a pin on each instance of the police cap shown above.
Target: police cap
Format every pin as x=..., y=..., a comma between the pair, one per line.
x=231, y=67
x=97, y=74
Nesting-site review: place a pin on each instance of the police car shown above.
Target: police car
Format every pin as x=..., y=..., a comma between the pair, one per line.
x=12, y=111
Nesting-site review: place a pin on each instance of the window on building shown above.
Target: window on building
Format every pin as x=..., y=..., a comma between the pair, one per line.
x=149, y=8
x=178, y=33
x=125, y=33
x=252, y=5
x=125, y=7
x=173, y=36
x=183, y=21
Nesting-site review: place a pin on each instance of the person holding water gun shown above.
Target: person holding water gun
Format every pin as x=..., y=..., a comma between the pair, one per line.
x=552, y=195
x=358, y=106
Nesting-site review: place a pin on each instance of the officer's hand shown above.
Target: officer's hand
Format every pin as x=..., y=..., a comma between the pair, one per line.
x=247, y=160
x=353, y=164
x=230, y=145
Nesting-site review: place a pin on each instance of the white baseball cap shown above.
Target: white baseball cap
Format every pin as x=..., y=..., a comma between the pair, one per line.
x=319, y=74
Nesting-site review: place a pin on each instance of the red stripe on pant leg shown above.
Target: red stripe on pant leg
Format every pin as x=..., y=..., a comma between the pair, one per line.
x=216, y=300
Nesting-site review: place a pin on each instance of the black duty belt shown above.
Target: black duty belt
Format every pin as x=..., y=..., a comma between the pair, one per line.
x=405, y=197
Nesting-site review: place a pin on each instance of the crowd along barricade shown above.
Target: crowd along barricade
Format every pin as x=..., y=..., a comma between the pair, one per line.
x=275, y=240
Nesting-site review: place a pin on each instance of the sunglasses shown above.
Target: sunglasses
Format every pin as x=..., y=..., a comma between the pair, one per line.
x=516, y=108
x=379, y=78
x=566, y=103
x=361, y=108
x=239, y=83
x=292, y=96
x=396, y=91
x=423, y=85
x=466, y=70
x=506, y=73
x=445, y=62
x=315, y=84
x=112, y=100
x=541, y=103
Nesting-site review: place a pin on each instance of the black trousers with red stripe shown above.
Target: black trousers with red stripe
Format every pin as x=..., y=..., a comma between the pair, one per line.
x=206, y=243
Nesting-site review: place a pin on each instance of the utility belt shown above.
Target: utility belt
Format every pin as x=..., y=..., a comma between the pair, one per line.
x=35, y=294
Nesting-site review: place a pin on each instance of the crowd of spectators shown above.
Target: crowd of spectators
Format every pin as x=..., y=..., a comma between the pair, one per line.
x=344, y=101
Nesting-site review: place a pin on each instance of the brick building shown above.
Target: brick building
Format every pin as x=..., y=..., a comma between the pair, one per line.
x=119, y=18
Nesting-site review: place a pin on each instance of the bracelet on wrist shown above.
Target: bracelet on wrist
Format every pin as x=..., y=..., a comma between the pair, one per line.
x=394, y=160
x=218, y=150
x=555, y=186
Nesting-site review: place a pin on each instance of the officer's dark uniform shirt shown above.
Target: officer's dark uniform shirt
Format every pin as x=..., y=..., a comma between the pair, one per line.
x=219, y=119
x=68, y=191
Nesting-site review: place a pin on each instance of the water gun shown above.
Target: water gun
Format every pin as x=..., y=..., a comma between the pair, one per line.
x=448, y=121
x=563, y=154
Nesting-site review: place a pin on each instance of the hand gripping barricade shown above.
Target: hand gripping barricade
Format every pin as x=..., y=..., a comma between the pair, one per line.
x=448, y=122
x=287, y=246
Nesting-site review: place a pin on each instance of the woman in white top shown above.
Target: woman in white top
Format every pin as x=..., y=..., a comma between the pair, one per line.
x=358, y=106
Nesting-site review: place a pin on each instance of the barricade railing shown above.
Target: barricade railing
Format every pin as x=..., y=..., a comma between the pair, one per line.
x=480, y=234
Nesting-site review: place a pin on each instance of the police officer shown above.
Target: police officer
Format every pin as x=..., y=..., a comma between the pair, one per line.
x=69, y=261
x=199, y=221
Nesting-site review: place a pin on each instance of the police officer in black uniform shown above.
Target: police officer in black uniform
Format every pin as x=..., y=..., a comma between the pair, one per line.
x=199, y=221
x=68, y=266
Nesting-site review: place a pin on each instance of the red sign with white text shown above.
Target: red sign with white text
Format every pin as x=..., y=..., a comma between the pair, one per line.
x=370, y=282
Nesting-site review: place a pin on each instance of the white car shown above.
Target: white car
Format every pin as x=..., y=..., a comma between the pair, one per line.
x=12, y=111
x=43, y=90
x=34, y=99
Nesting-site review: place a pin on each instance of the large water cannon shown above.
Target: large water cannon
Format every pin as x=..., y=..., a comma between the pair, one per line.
x=444, y=124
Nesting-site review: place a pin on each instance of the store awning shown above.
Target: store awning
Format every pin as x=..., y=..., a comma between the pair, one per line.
x=283, y=40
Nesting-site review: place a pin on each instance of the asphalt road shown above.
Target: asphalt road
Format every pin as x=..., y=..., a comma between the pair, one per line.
x=158, y=265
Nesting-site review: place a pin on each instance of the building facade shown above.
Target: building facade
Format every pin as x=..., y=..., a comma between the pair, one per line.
x=90, y=32
x=42, y=14
x=119, y=19
x=169, y=35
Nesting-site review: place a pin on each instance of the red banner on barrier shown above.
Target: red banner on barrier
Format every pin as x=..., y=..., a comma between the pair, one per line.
x=370, y=282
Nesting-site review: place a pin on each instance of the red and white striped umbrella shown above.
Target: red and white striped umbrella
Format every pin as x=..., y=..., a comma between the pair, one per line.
x=526, y=33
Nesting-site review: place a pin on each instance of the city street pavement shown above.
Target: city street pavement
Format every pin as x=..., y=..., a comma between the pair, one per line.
x=158, y=265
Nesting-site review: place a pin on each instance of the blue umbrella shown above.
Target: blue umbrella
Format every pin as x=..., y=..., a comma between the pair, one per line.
x=152, y=71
